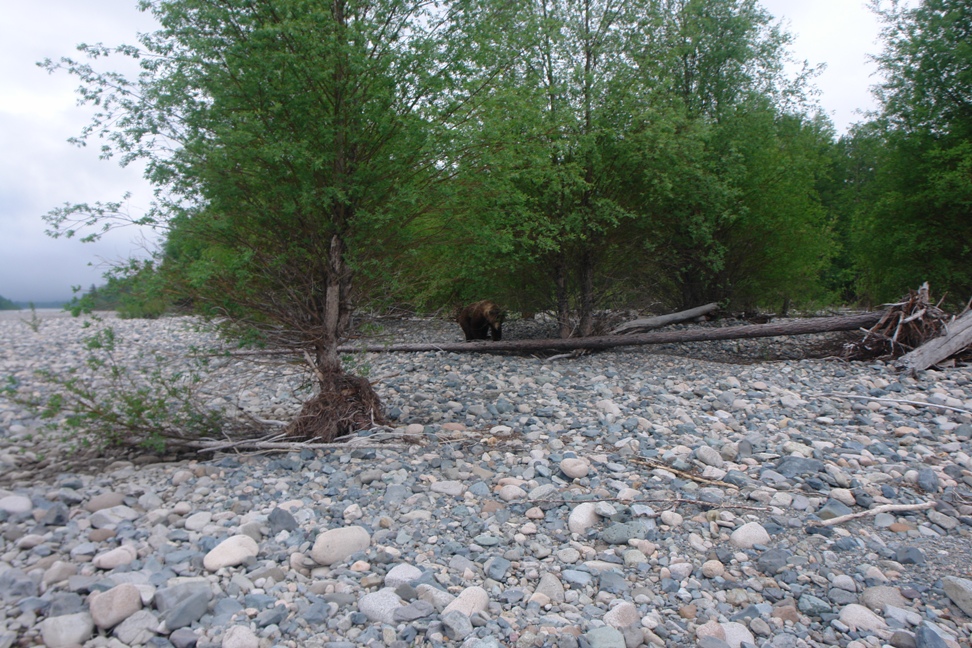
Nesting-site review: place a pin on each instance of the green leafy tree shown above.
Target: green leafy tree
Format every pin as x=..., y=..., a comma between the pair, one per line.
x=916, y=221
x=610, y=162
x=744, y=175
x=291, y=141
x=6, y=304
x=540, y=191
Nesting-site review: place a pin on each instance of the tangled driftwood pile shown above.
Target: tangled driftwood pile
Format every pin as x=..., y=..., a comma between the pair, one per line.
x=917, y=332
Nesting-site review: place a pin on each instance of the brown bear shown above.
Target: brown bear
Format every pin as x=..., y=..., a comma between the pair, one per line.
x=481, y=320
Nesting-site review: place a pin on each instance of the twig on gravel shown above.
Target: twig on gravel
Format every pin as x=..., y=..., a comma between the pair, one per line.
x=576, y=353
x=262, y=421
x=886, y=508
x=273, y=444
x=900, y=401
x=666, y=500
x=680, y=473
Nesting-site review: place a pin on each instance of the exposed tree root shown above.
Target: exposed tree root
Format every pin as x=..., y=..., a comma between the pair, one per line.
x=345, y=404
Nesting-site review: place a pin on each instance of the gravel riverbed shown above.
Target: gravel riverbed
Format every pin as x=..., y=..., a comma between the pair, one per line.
x=650, y=496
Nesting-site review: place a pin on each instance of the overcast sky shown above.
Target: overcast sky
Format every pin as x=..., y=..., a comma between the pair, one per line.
x=39, y=170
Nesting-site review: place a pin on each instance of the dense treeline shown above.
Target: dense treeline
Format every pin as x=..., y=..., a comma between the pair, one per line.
x=562, y=155
x=636, y=154
x=607, y=154
x=135, y=290
x=906, y=201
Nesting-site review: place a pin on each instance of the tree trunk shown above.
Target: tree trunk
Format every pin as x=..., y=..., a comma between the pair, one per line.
x=344, y=403
x=563, y=297
x=799, y=327
x=327, y=359
x=957, y=337
x=587, y=292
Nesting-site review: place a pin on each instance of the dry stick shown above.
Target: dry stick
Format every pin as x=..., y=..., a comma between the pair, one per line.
x=270, y=446
x=313, y=366
x=658, y=464
x=260, y=448
x=667, y=500
x=272, y=442
x=902, y=402
x=886, y=508
x=561, y=356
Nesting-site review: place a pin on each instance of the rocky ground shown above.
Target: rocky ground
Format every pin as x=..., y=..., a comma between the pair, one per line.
x=658, y=496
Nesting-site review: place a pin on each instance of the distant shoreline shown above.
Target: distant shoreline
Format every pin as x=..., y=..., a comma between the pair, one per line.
x=46, y=313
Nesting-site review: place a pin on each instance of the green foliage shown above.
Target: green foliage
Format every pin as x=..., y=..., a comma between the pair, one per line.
x=543, y=153
x=136, y=290
x=911, y=210
x=35, y=322
x=292, y=141
x=108, y=404
x=638, y=153
x=6, y=304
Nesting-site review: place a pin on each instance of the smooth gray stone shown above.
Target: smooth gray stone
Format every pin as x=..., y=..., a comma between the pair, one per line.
x=457, y=625
x=184, y=638
x=605, y=637
x=784, y=640
x=925, y=637
x=883, y=520
x=576, y=577
x=137, y=629
x=622, y=532
x=317, y=613
x=928, y=480
x=909, y=556
x=841, y=597
x=167, y=598
x=380, y=606
x=613, y=582
x=712, y=642
x=772, y=561
x=833, y=509
x=16, y=585
x=414, y=610
x=813, y=606
x=496, y=568
x=185, y=611
x=793, y=466
x=281, y=520
x=271, y=616
x=66, y=603
x=903, y=639
x=960, y=591
x=396, y=494
x=488, y=642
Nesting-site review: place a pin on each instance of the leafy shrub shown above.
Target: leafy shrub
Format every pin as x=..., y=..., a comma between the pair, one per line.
x=148, y=403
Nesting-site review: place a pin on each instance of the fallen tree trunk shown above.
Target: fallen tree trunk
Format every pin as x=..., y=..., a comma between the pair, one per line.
x=957, y=336
x=797, y=327
x=648, y=323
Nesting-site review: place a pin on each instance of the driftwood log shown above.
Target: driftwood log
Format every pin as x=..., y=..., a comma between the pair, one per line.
x=956, y=338
x=796, y=327
x=648, y=323
x=903, y=327
x=917, y=332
